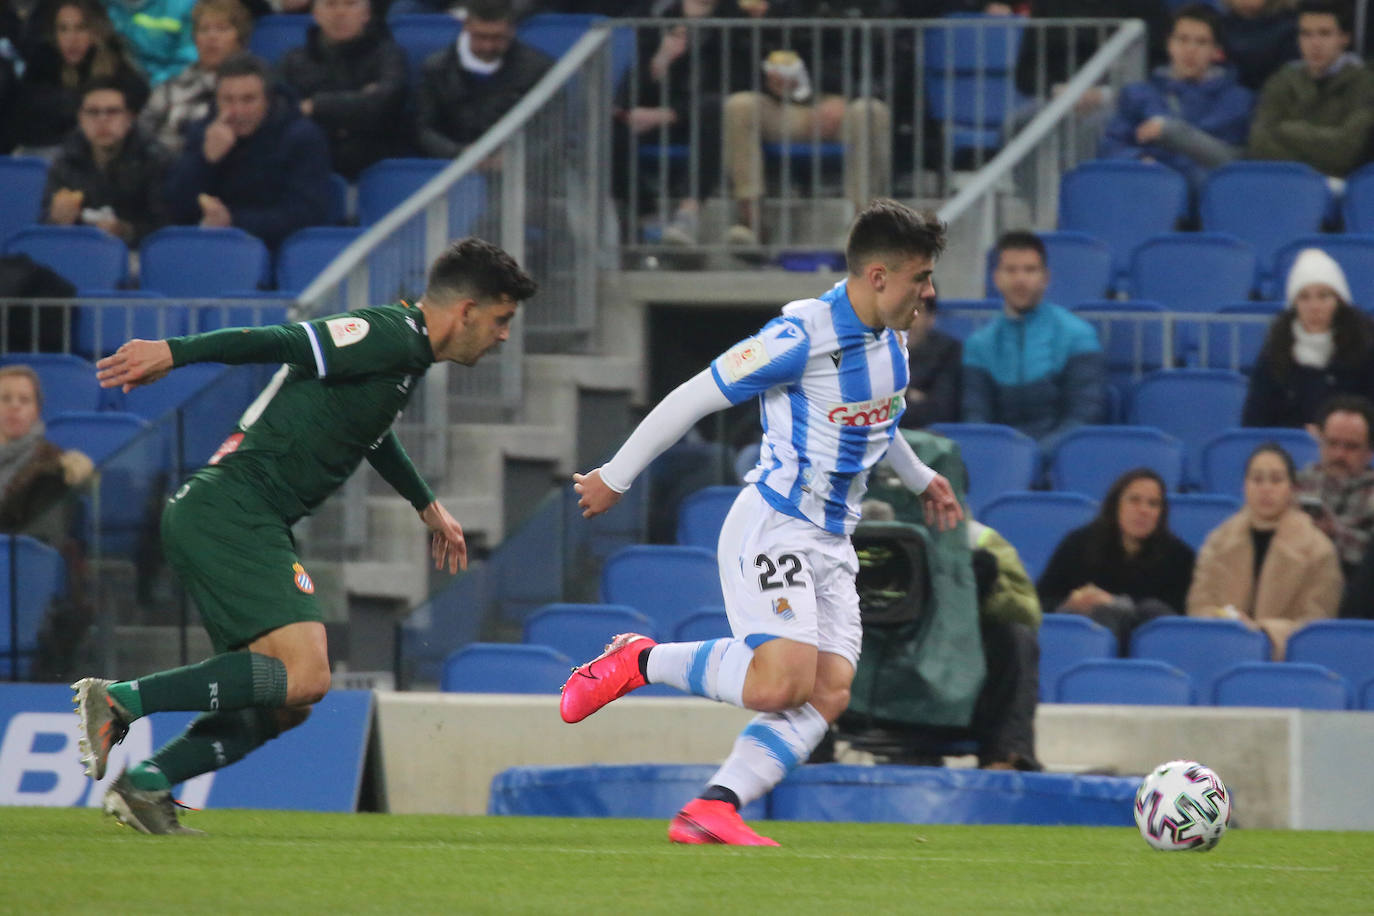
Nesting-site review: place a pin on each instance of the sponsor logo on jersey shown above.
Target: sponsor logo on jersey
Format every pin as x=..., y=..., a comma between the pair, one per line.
x=347, y=331
x=865, y=413
x=303, y=580
x=783, y=609
x=227, y=447
x=743, y=358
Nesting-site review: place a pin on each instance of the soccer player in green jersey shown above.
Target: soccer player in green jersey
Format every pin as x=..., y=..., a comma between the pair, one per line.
x=227, y=530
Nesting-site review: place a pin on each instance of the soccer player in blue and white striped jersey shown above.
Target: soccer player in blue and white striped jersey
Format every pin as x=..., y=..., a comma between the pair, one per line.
x=830, y=375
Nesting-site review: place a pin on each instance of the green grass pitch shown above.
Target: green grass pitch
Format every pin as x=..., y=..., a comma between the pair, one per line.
x=69, y=860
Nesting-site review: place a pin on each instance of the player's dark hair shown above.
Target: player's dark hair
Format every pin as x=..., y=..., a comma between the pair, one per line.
x=1276, y=449
x=1345, y=16
x=887, y=230
x=478, y=269
x=1105, y=546
x=1022, y=240
x=1349, y=403
x=1198, y=12
x=491, y=10
x=245, y=63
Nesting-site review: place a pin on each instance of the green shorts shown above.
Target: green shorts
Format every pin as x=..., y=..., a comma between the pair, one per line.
x=238, y=563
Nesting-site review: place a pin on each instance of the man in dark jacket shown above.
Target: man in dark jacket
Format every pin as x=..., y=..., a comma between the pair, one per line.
x=351, y=79
x=466, y=89
x=255, y=163
x=936, y=375
x=108, y=174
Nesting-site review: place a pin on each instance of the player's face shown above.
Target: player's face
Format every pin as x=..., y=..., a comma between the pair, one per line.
x=342, y=20
x=242, y=101
x=1021, y=278
x=485, y=327
x=900, y=287
x=1192, y=49
x=1320, y=40
x=18, y=406
x=1138, y=512
x=1316, y=305
x=1268, y=491
x=1345, y=447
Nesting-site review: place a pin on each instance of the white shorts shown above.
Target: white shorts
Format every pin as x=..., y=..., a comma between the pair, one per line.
x=783, y=576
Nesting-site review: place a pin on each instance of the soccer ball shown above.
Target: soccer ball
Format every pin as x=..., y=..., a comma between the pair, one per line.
x=1182, y=805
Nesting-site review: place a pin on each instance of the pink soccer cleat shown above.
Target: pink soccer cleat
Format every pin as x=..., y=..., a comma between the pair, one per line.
x=609, y=676
x=702, y=821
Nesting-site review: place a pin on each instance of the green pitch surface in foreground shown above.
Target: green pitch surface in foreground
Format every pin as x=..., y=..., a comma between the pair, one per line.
x=65, y=860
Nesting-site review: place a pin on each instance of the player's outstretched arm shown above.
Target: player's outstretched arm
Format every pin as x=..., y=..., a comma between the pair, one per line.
x=448, y=545
x=135, y=363
x=594, y=496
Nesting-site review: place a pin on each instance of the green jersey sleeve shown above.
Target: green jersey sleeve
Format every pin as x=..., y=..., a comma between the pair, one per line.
x=283, y=343
x=390, y=460
x=368, y=341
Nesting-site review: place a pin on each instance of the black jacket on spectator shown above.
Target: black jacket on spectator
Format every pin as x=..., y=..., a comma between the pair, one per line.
x=456, y=107
x=1163, y=573
x=1296, y=400
x=130, y=185
x=358, y=90
x=273, y=182
x=936, y=369
x=46, y=109
x=1257, y=47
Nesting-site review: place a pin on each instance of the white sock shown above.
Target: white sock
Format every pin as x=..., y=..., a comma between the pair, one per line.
x=713, y=668
x=768, y=749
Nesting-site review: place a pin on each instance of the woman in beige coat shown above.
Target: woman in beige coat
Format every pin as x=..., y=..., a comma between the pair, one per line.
x=1268, y=565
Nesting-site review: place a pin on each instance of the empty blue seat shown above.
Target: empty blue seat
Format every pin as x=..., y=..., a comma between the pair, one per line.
x=100, y=435
x=21, y=192
x=196, y=262
x=99, y=328
x=1129, y=681
x=1066, y=640
x=1192, y=271
x=1367, y=695
x=665, y=583
x=1080, y=267
x=707, y=623
x=1192, y=516
x=1122, y=203
x=969, y=78
x=1214, y=398
x=961, y=317
x=39, y=576
x=1224, y=455
x=701, y=514
x=276, y=33
x=1292, y=685
x=1237, y=198
x=1132, y=334
x=259, y=309
x=1235, y=345
x=421, y=35
x=84, y=255
x=1202, y=648
x=152, y=401
x=555, y=33
x=493, y=667
x=1355, y=254
x=1344, y=646
x=1090, y=458
x=306, y=252
x=68, y=382
x=581, y=631
x=1357, y=204
x=1035, y=523
x=999, y=459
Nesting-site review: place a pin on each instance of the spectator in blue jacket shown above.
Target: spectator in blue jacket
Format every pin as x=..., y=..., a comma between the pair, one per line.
x=256, y=163
x=1191, y=115
x=1037, y=366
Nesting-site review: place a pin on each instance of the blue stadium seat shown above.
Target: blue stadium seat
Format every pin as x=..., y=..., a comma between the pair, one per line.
x=1236, y=346
x=555, y=33
x=1367, y=695
x=68, y=381
x=701, y=514
x=421, y=35
x=99, y=435
x=495, y=667
x=1122, y=203
x=1237, y=199
x=152, y=401
x=385, y=184
x=260, y=309
x=177, y=261
x=40, y=575
x=98, y=330
x=969, y=78
x=1132, y=337
x=581, y=631
x=1355, y=254
x=1202, y=648
x=1292, y=685
x=1344, y=646
x=1192, y=516
x=1128, y=681
x=1224, y=455
x=1035, y=523
x=1192, y=271
x=961, y=317
x=665, y=583
x=999, y=459
x=1080, y=267
x=1214, y=398
x=1357, y=204
x=84, y=255
x=1066, y=640
x=306, y=252
x=337, y=214
x=21, y=192
x=707, y=623
x=276, y=33
x=1090, y=458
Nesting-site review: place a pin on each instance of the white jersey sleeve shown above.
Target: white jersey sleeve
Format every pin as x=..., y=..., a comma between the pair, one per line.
x=776, y=355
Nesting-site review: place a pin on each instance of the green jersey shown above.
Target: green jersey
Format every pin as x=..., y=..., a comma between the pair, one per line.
x=345, y=380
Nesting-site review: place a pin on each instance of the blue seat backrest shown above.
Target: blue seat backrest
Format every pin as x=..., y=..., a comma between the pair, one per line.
x=1192, y=516
x=176, y=261
x=1214, y=398
x=581, y=631
x=1129, y=681
x=1344, y=646
x=21, y=192
x=83, y=255
x=1035, y=523
x=665, y=583
x=1224, y=456
x=68, y=382
x=701, y=514
x=1066, y=640
x=306, y=252
x=275, y=34
x=1296, y=685
x=999, y=459
x=504, y=668
x=1203, y=649
x=1090, y=458
x=40, y=575
x=1123, y=203
x=1193, y=271
x=1236, y=199
x=422, y=35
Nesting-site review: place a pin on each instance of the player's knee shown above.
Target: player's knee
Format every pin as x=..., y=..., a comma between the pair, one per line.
x=831, y=701
x=308, y=685
x=777, y=694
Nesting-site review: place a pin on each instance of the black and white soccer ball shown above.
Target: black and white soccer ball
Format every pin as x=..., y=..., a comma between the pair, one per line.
x=1182, y=805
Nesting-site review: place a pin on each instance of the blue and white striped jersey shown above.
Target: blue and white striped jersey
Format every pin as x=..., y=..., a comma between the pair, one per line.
x=831, y=392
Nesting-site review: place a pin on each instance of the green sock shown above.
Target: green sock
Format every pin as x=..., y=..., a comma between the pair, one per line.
x=234, y=680
x=212, y=741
